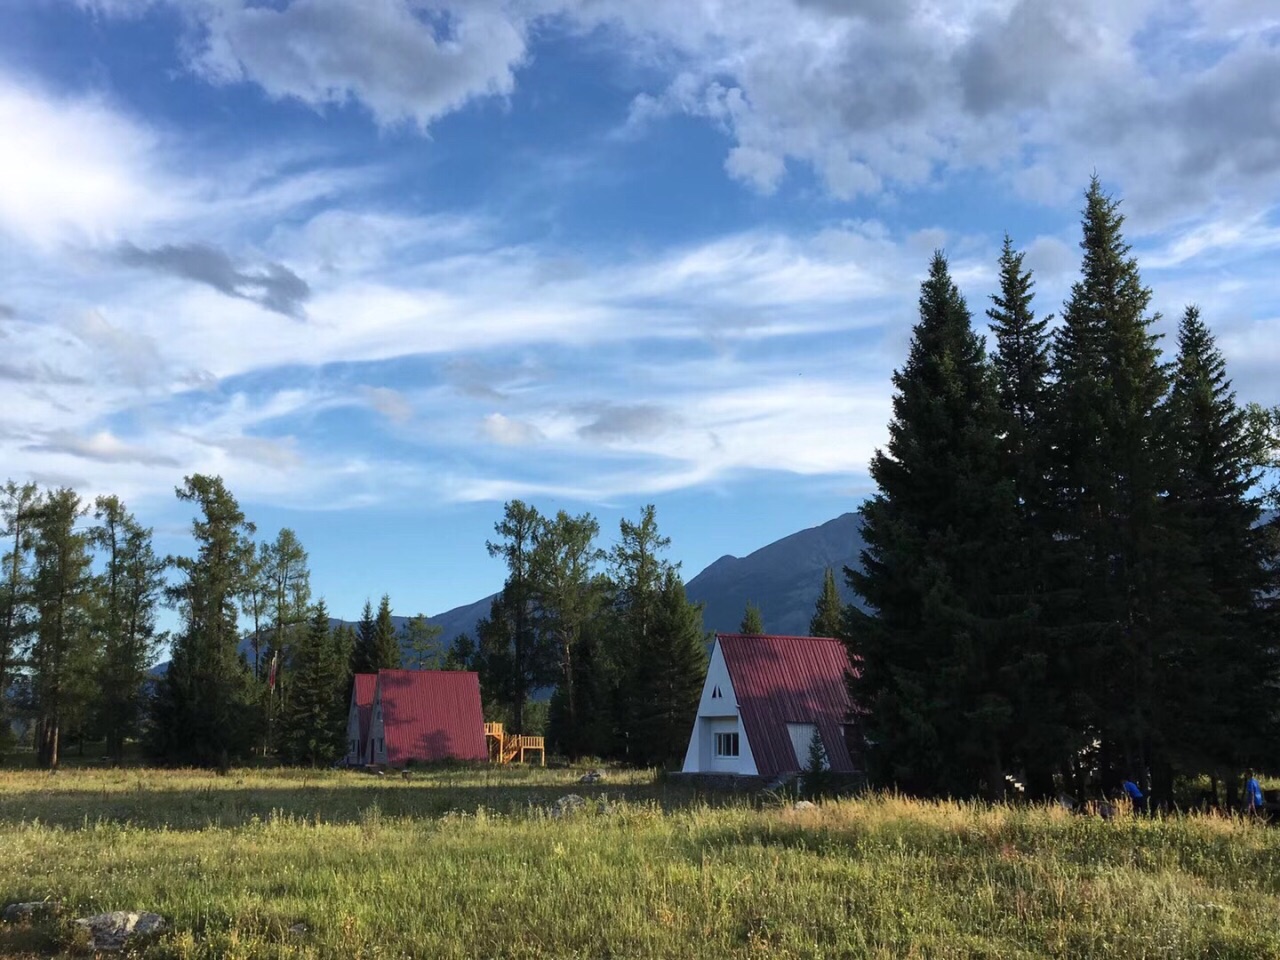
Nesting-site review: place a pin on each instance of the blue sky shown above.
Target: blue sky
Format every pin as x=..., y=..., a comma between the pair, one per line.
x=384, y=264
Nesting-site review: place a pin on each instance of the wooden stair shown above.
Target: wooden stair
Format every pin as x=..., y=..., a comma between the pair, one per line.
x=514, y=747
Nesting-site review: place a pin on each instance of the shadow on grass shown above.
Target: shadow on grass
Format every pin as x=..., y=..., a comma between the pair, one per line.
x=226, y=803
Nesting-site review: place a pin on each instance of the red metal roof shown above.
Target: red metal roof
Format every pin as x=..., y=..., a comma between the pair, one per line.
x=781, y=680
x=431, y=715
x=362, y=693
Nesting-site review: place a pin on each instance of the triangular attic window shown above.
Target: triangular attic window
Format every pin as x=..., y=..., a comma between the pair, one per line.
x=715, y=693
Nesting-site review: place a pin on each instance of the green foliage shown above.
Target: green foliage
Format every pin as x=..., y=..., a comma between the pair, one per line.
x=314, y=722
x=520, y=658
x=18, y=506
x=387, y=652
x=1225, y=637
x=817, y=768
x=64, y=656
x=204, y=710
x=666, y=691
x=752, y=620
x=129, y=591
x=828, y=613
x=569, y=596
x=937, y=533
x=423, y=641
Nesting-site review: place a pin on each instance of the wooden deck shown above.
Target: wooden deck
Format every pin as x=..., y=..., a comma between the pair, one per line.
x=513, y=747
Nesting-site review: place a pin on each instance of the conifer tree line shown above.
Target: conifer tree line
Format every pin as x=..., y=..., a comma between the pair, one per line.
x=610, y=632
x=1070, y=566
x=257, y=668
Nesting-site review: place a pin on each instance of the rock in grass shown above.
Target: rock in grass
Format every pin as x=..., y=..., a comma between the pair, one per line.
x=32, y=910
x=804, y=805
x=591, y=776
x=111, y=931
x=567, y=804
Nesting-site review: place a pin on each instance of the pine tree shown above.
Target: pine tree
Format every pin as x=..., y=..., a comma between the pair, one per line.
x=829, y=611
x=936, y=533
x=752, y=621
x=1021, y=364
x=1107, y=469
x=528, y=655
x=1223, y=669
x=203, y=711
x=423, y=640
x=667, y=692
x=129, y=591
x=568, y=597
x=284, y=572
x=255, y=602
x=18, y=507
x=364, y=658
x=386, y=639
x=638, y=572
x=64, y=653
x=313, y=726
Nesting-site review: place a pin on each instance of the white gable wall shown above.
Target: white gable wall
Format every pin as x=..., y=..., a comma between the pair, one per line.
x=718, y=714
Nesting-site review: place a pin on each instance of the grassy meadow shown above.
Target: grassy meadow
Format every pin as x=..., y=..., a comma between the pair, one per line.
x=469, y=863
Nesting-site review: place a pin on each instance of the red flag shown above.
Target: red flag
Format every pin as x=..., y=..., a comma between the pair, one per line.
x=271, y=674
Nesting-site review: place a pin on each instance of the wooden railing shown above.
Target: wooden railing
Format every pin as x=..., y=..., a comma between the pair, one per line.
x=506, y=748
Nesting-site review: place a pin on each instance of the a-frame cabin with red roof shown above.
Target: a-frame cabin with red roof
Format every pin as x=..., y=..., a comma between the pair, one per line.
x=764, y=699
x=425, y=715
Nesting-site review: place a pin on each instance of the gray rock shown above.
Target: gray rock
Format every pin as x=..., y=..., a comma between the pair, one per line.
x=567, y=804
x=298, y=929
x=111, y=931
x=804, y=805
x=32, y=910
x=591, y=776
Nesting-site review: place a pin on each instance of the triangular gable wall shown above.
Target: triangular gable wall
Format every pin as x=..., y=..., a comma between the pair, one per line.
x=697, y=758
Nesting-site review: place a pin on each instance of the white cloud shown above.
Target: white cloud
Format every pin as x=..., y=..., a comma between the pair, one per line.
x=54, y=188
x=510, y=432
x=403, y=61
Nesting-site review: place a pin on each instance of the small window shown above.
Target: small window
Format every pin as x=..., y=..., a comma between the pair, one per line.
x=726, y=744
x=715, y=693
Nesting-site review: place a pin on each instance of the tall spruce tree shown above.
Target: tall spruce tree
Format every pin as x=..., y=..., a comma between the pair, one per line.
x=18, y=506
x=1221, y=668
x=202, y=712
x=129, y=589
x=752, y=620
x=933, y=655
x=313, y=724
x=64, y=655
x=1021, y=364
x=829, y=610
x=364, y=657
x=1108, y=468
x=386, y=638
x=667, y=693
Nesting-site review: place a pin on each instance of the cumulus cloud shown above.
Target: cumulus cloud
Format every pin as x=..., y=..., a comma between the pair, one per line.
x=403, y=61
x=272, y=285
